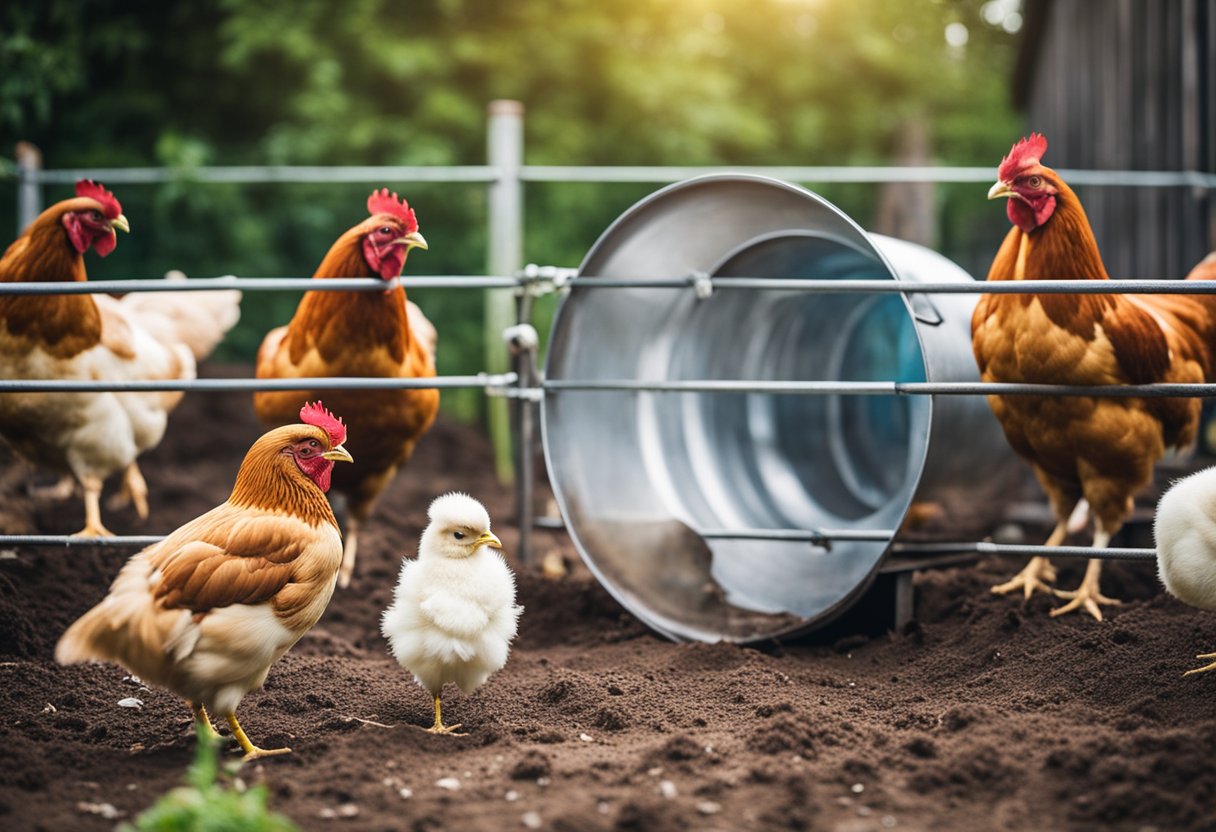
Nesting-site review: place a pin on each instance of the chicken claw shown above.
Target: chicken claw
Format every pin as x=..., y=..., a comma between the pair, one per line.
x=1037, y=575
x=440, y=728
x=1087, y=595
x=1205, y=668
x=252, y=752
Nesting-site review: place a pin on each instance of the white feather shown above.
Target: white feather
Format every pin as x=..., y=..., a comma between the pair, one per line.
x=1185, y=532
x=453, y=614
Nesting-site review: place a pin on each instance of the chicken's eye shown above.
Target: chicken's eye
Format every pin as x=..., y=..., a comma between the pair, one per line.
x=95, y=215
x=458, y=535
x=1035, y=181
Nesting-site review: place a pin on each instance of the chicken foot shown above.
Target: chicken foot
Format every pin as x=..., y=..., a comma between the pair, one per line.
x=439, y=727
x=63, y=488
x=1087, y=595
x=1206, y=668
x=1039, y=572
x=252, y=752
x=92, y=510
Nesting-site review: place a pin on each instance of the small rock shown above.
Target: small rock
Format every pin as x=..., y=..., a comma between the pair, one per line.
x=8, y=554
x=449, y=783
x=106, y=810
x=50, y=709
x=130, y=702
x=586, y=738
x=857, y=788
x=654, y=772
x=405, y=793
x=348, y=810
x=512, y=796
x=531, y=820
x=708, y=807
x=667, y=789
x=602, y=807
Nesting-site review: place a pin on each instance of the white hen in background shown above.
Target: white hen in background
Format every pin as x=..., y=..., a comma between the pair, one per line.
x=453, y=613
x=1185, y=532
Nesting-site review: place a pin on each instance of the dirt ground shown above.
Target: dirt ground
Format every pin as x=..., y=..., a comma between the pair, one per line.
x=982, y=714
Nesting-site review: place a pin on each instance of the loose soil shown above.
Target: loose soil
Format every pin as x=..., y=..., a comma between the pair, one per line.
x=984, y=713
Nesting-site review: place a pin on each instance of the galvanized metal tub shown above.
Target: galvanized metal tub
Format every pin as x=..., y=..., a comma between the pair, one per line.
x=636, y=474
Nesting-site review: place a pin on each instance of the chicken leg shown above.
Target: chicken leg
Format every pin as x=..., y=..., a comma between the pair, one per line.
x=1087, y=595
x=252, y=752
x=202, y=723
x=347, y=570
x=1038, y=572
x=135, y=490
x=92, y=510
x=439, y=727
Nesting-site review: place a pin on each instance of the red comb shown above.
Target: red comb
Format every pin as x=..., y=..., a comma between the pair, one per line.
x=94, y=190
x=315, y=414
x=1025, y=153
x=381, y=203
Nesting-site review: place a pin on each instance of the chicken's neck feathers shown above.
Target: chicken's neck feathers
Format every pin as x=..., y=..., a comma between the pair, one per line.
x=64, y=325
x=339, y=322
x=1063, y=248
x=271, y=481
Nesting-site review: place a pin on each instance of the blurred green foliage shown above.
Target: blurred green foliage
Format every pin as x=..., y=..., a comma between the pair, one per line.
x=371, y=82
x=210, y=802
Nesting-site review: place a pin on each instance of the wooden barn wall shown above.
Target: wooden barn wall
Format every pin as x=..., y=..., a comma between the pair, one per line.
x=1129, y=84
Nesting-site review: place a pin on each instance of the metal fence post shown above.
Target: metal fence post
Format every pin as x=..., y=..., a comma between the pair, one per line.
x=29, y=191
x=505, y=153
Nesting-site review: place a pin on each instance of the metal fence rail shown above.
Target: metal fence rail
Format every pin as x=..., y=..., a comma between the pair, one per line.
x=556, y=279
x=257, y=385
x=604, y=174
x=822, y=538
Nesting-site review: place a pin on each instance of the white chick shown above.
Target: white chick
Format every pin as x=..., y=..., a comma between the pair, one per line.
x=1185, y=532
x=453, y=613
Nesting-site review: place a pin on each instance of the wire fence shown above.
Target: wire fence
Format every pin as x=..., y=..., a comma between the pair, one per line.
x=542, y=280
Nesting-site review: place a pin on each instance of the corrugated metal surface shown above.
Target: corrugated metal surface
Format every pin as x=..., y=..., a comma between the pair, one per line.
x=1129, y=84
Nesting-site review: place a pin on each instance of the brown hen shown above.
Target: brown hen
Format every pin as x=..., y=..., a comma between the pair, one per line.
x=205, y=612
x=376, y=334
x=1098, y=449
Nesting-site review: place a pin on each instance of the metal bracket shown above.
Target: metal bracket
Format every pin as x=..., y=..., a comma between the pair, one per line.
x=702, y=284
x=539, y=281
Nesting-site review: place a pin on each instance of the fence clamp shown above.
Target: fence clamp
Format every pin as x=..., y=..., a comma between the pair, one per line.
x=539, y=281
x=702, y=284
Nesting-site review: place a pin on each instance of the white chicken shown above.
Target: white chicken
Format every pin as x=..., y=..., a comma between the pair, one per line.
x=1185, y=532
x=453, y=614
x=143, y=337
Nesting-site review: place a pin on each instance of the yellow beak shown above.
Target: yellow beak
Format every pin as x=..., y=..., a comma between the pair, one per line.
x=488, y=539
x=121, y=222
x=414, y=240
x=338, y=454
x=1001, y=189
